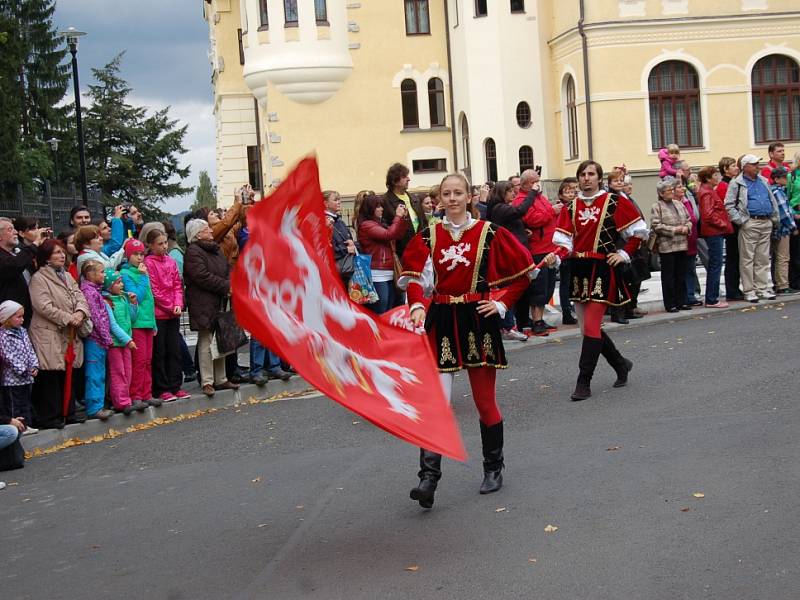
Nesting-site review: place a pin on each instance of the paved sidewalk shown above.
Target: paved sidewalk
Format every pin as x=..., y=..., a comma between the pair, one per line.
x=297, y=385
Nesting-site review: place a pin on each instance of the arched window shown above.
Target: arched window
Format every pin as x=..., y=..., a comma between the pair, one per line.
x=465, y=145
x=436, y=101
x=524, y=115
x=321, y=11
x=571, y=116
x=675, y=105
x=776, y=99
x=490, y=150
x=525, y=158
x=290, y=13
x=408, y=97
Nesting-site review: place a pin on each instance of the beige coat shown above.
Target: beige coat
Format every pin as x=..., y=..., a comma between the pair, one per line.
x=54, y=303
x=666, y=218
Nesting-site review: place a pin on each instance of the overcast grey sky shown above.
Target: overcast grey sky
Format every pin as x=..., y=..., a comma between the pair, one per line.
x=165, y=63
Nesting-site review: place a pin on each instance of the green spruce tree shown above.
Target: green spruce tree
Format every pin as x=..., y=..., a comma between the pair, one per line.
x=130, y=155
x=10, y=157
x=42, y=80
x=206, y=194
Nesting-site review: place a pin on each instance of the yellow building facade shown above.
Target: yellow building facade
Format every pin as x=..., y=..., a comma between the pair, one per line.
x=331, y=83
x=718, y=77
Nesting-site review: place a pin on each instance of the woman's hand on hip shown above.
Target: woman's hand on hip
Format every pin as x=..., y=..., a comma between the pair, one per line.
x=615, y=259
x=487, y=308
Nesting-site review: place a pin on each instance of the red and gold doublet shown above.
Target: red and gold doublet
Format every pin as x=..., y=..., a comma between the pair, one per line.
x=595, y=230
x=468, y=266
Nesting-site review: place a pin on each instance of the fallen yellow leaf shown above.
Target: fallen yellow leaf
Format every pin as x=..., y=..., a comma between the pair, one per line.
x=412, y=568
x=550, y=529
x=699, y=495
x=685, y=509
x=257, y=479
x=501, y=509
x=613, y=448
x=531, y=560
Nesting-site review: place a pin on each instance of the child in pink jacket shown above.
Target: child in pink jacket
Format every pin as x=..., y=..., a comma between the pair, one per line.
x=165, y=281
x=668, y=157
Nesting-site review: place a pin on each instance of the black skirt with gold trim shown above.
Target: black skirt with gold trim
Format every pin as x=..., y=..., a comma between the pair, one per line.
x=594, y=280
x=461, y=338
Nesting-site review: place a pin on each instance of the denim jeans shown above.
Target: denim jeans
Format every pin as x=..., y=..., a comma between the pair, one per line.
x=692, y=283
x=8, y=435
x=262, y=359
x=715, y=244
x=385, y=301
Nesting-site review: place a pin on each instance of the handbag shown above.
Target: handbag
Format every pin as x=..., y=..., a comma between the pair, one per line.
x=640, y=267
x=12, y=456
x=360, y=287
x=228, y=336
x=346, y=265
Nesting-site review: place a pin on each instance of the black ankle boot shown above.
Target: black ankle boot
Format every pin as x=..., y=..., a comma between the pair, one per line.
x=590, y=352
x=567, y=318
x=492, y=441
x=621, y=365
x=430, y=471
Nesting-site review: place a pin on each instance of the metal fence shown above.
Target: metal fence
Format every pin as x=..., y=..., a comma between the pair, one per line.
x=51, y=207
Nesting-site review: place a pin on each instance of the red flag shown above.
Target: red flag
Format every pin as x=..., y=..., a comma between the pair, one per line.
x=288, y=295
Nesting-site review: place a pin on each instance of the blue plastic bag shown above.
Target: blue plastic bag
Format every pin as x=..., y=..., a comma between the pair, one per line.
x=360, y=287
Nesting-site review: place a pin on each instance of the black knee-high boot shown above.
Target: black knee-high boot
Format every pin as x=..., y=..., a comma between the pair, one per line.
x=430, y=471
x=621, y=365
x=590, y=352
x=492, y=441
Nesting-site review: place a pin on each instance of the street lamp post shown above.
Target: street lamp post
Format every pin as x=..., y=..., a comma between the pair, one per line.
x=72, y=36
x=53, y=142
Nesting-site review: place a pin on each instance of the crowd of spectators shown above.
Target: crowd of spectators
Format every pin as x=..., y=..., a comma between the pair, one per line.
x=90, y=319
x=734, y=217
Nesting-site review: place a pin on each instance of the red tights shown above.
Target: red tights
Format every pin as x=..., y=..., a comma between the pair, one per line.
x=590, y=317
x=482, y=382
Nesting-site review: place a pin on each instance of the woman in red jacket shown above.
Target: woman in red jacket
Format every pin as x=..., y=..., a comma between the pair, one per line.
x=377, y=240
x=715, y=224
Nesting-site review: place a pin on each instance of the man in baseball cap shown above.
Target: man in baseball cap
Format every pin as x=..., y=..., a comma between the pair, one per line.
x=753, y=207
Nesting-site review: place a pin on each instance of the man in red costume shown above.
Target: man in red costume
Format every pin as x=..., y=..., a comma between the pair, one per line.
x=589, y=233
x=460, y=264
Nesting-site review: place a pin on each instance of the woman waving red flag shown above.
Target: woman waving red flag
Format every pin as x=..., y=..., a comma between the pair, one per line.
x=461, y=264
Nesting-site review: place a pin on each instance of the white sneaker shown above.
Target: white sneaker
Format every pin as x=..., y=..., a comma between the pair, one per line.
x=514, y=335
x=751, y=297
x=768, y=295
x=30, y=431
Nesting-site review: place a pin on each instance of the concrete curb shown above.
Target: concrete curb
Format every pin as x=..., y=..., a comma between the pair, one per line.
x=223, y=399
x=53, y=437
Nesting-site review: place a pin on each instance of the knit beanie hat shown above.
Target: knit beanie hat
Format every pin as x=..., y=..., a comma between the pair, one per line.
x=111, y=276
x=194, y=227
x=148, y=227
x=132, y=246
x=8, y=309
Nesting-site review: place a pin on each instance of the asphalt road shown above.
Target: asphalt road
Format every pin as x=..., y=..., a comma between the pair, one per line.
x=300, y=499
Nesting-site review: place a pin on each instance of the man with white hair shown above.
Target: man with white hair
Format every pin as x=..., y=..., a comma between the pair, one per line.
x=752, y=206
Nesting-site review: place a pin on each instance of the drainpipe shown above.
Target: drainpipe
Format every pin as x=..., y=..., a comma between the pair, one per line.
x=586, y=87
x=450, y=87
